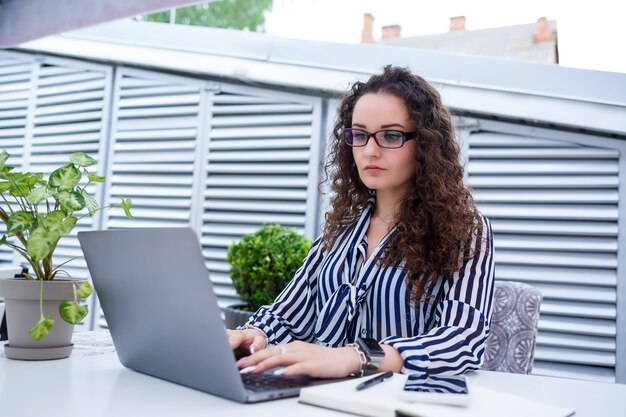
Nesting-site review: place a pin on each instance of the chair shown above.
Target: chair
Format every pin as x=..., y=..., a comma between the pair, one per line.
x=510, y=346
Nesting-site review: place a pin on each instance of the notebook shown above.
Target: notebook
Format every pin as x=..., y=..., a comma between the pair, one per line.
x=382, y=400
x=155, y=292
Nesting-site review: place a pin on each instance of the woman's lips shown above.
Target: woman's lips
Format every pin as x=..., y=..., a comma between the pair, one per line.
x=373, y=168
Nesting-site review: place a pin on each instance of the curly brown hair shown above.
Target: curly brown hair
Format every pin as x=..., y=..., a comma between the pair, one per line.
x=437, y=221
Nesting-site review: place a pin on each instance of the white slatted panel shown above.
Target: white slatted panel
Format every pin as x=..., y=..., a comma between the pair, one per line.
x=156, y=120
x=258, y=170
x=48, y=110
x=554, y=209
x=16, y=72
x=70, y=116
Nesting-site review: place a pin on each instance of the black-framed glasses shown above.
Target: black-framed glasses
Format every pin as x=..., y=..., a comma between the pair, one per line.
x=391, y=139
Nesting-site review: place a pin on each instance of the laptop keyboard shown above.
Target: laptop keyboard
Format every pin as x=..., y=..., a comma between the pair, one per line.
x=269, y=382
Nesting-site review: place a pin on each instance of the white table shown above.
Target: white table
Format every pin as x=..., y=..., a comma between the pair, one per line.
x=92, y=383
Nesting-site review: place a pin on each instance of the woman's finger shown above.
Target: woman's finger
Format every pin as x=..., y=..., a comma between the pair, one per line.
x=257, y=345
x=258, y=356
x=296, y=369
x=267, y=358
x=273, y=362
x=235, y=338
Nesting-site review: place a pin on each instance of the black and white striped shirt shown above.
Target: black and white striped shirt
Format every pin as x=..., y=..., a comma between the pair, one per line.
x=339, y=295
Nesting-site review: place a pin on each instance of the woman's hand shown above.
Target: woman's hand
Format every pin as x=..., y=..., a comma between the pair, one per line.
x=246, y=341
x=301, y=358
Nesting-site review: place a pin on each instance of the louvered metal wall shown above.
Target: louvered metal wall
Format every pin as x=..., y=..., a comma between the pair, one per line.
x=17, y=73
x=225, y=159
x=220, y=158
x=70, y=115
x=49, y=109
x=152, y=149
x=553, y=201
x=261, y=167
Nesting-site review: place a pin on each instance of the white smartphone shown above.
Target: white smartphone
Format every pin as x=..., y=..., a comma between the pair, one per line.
x=450, y=390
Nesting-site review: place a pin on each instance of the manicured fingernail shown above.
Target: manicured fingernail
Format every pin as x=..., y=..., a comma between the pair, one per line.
x=247, y=370
x=280, y=371
x=252, y=349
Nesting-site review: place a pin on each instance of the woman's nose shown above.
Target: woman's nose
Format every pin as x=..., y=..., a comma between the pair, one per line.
x=371, y=147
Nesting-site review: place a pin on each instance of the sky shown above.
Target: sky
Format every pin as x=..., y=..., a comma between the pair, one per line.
x=591, y=34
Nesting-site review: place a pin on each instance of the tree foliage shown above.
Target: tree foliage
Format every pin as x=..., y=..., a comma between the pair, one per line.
x=228, y=14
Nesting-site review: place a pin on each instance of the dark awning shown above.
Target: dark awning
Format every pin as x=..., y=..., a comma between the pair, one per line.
x=25, y=20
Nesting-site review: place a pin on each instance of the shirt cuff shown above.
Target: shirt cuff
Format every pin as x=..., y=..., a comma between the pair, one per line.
x=416, y=359
x=262, y=323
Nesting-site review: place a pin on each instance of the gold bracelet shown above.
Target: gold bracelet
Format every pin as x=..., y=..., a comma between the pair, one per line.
x=251, y=327
x=362, y=359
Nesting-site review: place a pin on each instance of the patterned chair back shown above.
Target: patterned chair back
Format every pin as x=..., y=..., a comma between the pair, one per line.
x=510, y=345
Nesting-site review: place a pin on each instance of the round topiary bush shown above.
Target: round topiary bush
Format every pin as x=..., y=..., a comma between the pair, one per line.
x=262, y=263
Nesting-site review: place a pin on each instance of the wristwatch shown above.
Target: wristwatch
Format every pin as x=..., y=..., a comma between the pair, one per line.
x=373, y=353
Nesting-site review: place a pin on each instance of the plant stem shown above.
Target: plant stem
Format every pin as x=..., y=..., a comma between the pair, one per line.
x=32, y=263
x=95, y=211
x=47, y=262
x=9, y=206
x=41, y=300
x=74, y=283
x=47, y=266
x=21, y=237
x=18, y=198
x=69, y=260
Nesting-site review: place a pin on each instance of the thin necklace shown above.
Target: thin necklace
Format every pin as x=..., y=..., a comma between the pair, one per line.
x=385, y=220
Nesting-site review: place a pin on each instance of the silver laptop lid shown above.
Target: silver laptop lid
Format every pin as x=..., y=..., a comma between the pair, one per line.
x=159, y=304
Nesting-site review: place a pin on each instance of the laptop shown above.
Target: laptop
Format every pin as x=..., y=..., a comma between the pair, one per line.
x=163, y=315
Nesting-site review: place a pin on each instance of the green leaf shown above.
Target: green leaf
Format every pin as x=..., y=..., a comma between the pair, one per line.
x=95, y=178
x=16, y=176
x=5, y=186
x=72, y=312
x=3, y=158
x=34, y=179
x=84, y=290
x=42, y=328
x=82, y=159
x=19, y=222
x=126, y=204
x=19, y=189
x=90, y=203
x=56, y=222
x=67, y=225
x=65, y=177
x=70, y=200
x=41, y=243
x=5, y=171
x=38, y=195
x=53, y=219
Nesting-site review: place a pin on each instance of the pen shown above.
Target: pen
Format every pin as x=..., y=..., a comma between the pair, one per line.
x=377, y=379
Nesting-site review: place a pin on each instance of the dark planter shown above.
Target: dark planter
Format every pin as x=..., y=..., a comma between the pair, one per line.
x=236, y=315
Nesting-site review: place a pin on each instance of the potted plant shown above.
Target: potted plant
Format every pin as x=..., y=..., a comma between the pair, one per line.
x=43, y=305
x=262, y=264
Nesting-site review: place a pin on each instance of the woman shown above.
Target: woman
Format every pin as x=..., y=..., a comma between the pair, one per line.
x=405, y=258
